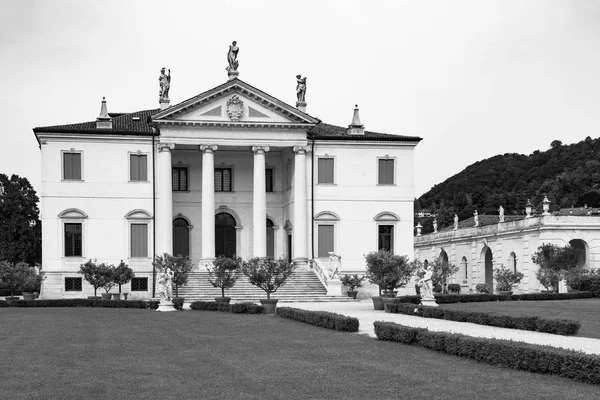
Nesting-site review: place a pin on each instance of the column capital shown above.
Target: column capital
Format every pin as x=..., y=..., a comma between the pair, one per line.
x=165, y=146
x=209, y=148
x=304, y=149
x=260, y=149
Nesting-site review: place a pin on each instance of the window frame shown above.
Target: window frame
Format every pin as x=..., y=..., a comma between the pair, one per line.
x=139, y=279
x=187, y=174
x=62, y=165
x=331, y=219
x=333, y=172
x=137, y=154
x=394, y=168
x=138, y=217
x=72, y=216
x=221, y=168
x=272, y=169
x=391, y=219
x=74, y=279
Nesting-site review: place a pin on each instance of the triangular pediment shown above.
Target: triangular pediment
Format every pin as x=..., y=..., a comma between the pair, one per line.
x=234, y=102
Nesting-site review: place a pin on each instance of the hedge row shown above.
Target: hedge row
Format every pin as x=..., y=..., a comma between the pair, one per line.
x=555, y=326
x=83, y=303
x=518, y=355
x=238, y=308
x=3, y=303
x=479, y=297
x=322, y=319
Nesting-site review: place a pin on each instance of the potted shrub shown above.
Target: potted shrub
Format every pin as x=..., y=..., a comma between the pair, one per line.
x=352, y=282
x=14, y=276
x=268, y=274
x=454, y=288
x=94, y=275
x=482, y=288
x=555, y=262
x=223, y=274
x=32, y=284
x=505, y=279
x=122, y=274
x=388, y=271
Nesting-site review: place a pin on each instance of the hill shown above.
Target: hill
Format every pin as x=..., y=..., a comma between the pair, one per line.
x=568, y=174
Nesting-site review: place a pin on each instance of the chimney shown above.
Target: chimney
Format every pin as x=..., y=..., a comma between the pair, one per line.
x=103, y=121
x=356, y=127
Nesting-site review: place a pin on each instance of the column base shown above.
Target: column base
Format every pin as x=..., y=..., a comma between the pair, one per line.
x=205, y=262
x=301, y=263
x=334, y=287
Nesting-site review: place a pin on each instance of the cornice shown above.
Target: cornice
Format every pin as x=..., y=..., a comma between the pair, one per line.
x=232, y=124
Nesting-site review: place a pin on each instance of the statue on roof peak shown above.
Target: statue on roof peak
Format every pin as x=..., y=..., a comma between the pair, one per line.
x=232, y=57
x=301, y=88
x=164, y=81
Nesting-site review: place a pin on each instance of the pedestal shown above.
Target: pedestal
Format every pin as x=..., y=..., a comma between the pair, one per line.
x=166, y=305
x=164, y=103
x=334, y=287
x=429, y=303
x=232, y=75
x=301, y=105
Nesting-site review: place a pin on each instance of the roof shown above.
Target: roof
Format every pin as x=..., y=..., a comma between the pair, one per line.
x=123, y=124
x=323, y=131
x=483, y=221
x=579, y=211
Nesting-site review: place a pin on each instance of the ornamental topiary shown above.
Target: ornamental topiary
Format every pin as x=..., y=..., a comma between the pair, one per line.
x=225, y=272
x=389, y=271
x=267, y=273
x=352, y=281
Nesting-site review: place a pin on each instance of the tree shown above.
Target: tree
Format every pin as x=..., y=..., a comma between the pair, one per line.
x=442, y=271
x=267, y=273
x=180, y=265
x=122, y=274
x=225, y=272
x=96, y=274
x=506, y=278
x=555, y=263
x=20, y=233
x=389, y=271
x=15, y=275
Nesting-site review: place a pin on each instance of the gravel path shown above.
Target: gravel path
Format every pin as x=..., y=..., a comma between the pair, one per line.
x=363, y=310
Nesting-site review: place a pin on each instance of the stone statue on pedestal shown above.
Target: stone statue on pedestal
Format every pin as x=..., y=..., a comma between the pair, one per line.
x=301, y=88
x=455, y=221
x=476, y=218
x=425, y=285
x=335, y=265
x=165, y=285
x=232, y=57
x=164, y=81
x=501, y=212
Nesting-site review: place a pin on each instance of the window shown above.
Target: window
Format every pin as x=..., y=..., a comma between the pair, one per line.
x=288, y=174
x=73, y=240
x=223, y=180
x=73, y=285
x=325, y=233
x=138, y=167
x=386, y=237
x=386, y=172
x=72, y=166
x=139, y=284
x=325, y=168
x=269, y=180
x=139, y=240
x=180, y=179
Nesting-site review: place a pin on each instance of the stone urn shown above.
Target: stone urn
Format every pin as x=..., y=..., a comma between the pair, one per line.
x=352, y=293
x=106, y=296
x=116, y=296
x=377, y=302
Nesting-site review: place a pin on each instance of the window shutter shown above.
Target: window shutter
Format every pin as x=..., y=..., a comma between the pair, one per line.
x=325, y=240
x=386, y=172
x=143, y=167
x=139, y=240
x=76, y=167
x=325, y=170
x=134, y=168
x=68, y=166
x=175, y=179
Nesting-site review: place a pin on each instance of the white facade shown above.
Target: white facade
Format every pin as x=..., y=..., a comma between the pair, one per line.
x=203, y=140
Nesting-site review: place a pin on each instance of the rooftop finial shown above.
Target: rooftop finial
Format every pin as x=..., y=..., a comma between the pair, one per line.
x=103, y=121
x=356, y=127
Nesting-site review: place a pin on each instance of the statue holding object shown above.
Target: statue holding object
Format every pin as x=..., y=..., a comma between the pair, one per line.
x=164, y=81
x=301, y=88
x=232, y=57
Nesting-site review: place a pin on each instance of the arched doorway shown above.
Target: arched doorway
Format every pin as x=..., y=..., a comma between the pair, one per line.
x=489, y=268
x=224, y=235
x=270, y=239
x=181, y=237
x=581, y=248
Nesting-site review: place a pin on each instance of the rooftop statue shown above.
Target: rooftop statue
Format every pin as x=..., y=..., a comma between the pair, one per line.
x=455, y=221
x=501, y=212
x=301, y=88
x=434, y=225
x=232, y=57
x=165, y=84
x=476, y=218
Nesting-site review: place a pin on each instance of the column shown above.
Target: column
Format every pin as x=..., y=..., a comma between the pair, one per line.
x=165, y=199
x=208, y=202
x=300, y=214
x=259, y=205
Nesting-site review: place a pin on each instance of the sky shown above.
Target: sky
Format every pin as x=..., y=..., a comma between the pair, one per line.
x=473, y=78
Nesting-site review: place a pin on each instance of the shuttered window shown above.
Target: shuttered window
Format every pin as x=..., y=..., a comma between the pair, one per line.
x=325, y=170
x=325, y=240
x=72, y=166
x=386, y=172
x=73, y=240
x=180, y=179
x=223, y=180
x=138, y=167
x=139, y=240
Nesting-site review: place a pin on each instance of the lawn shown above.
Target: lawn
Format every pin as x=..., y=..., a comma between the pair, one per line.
x=586, y=311
x=93, y=353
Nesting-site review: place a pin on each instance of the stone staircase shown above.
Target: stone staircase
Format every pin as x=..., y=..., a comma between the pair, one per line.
x=301, y=286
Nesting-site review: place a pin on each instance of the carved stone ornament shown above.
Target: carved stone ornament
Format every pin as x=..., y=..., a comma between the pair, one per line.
x=301, y=149
x=235, y=108
x=165, y=146
x=208, y=148
x=260, y=149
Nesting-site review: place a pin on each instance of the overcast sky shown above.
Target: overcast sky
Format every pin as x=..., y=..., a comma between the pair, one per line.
x=472, y=78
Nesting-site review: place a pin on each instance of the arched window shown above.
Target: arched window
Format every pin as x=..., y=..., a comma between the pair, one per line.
x=225, y=236
x=181, y=237
x=326, y=231
x=386, y=224
x=139, y=233
x=464, y=267
x=512, y=261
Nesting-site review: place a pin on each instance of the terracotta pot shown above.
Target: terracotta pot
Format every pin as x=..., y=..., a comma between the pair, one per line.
x=388, y=300
x=225, y=300
x=125, y=295
x=94, y=297
x=377, y=303
x=116, y=296
x=505, y=292
x=270, y=305
x=29, y=296
x=106, y=296
x=352, y=293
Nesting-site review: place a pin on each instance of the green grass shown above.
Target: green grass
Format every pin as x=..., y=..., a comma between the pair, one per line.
x=586, y=311
x=72, y=353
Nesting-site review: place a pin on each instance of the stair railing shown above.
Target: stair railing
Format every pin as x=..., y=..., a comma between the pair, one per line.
x=321, y=271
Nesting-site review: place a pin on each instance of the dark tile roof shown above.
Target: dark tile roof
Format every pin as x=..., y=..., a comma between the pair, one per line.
x=122, y=123
x=578, y=211
x=323, y=131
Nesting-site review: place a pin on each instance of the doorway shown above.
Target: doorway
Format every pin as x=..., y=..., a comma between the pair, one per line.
x=225, y=243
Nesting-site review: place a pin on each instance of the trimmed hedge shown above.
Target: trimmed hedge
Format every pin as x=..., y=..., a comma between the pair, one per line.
x=518, y=355
x=238, y=308
x=322, y=319
x=555, y=326
x=3, y=303
x=85, y=303
x=479, y=297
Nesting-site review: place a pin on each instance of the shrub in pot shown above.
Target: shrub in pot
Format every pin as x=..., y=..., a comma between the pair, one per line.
x=269, y=274
x=482, y=288
x=223, y=274
x=95, y=274
x=555, y=263
x=32, y=285
x=122, y=274
x=454, y=288
x=506, y=278
x=352, y=282
x=388, y=271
